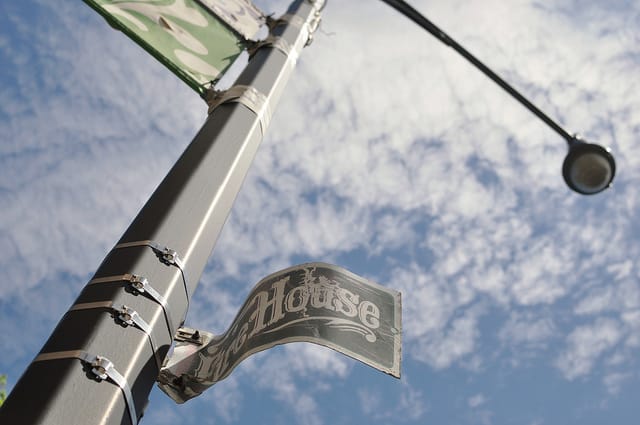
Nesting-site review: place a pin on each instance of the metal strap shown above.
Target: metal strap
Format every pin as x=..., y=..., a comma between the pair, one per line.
x=280, y=44
x=167, y=255
x=102, y=368
x=248, y=96
x=289, y=19
x=127, y=316
x=141, y=285
x=307, y=28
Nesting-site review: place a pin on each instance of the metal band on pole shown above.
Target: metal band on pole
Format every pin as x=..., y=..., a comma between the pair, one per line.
x=141, y=285
x=102, y=368
x=127, y=316
x=248, y=96
x=167, y=255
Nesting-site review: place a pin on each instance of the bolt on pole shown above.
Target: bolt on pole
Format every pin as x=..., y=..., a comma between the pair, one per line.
x=101, y=361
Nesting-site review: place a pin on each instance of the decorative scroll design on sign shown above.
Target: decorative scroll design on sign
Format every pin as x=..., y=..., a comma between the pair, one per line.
x=314, y=302
x=342, y=324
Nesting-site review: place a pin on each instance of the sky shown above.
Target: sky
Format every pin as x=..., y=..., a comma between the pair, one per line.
x=388, y=155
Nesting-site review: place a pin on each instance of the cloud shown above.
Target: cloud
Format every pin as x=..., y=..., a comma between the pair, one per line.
x=279, y=380
x=623, y=295
x=443, y=348
x=613, y=382
x=73, y=175
x=227, y=400
x=527, y=329
x=586, y=344
x=409, y=406
x=162, y=415
x=476, y=400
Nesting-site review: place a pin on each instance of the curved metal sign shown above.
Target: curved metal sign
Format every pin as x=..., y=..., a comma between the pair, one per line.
x=314, y=302
x=184, y=35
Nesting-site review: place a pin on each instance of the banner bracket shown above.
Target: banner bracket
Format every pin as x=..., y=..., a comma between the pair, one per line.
x=188, y=335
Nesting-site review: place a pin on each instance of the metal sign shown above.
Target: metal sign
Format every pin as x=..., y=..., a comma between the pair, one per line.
x=184, y=35
x=313, y=302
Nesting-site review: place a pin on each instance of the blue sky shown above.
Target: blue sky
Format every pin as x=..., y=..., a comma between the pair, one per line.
x=388, y=155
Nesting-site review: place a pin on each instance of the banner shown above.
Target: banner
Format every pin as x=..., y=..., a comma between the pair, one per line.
x=241, y=15
x=314, y=302
x=185, y=35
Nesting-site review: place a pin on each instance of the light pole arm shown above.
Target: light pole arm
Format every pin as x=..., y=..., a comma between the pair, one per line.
x=411, y=13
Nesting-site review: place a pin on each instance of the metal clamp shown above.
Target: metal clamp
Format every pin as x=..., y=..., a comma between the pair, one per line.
x=167, y=255
x=128, y=317
x=141, y=285
x=248, y=96
x=307, y=27
x=102, y=368
x=277, y=43
x=286, y=19
x=188, y=335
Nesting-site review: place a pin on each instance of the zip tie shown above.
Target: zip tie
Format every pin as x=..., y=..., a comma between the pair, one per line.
x=167, y=255
x=102, y=368
x=248, y=96
x=127, y=316
x=140, y=284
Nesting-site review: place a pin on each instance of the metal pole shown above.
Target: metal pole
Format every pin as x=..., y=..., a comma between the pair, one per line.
x=411, y=13
x=100, y=363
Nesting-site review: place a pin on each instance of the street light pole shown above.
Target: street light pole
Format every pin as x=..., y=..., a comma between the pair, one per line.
x=100, y=363
x=588, y=168
x=102, y=360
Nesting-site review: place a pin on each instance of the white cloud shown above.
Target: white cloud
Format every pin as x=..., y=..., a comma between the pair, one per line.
x=613, y=381
x=527, y=329
x=82, y=160
x=276, y=378
x=476, y=400
x=409, y=406
x=429, y=304
x=227, y=399
x=621, y=296
x=162, y=415
x=441, y=348
x=586, y=344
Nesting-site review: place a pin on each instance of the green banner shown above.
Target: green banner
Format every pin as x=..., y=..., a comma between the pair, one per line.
x=182, y=34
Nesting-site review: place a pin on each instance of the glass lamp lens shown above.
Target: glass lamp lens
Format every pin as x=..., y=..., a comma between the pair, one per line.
x=590, y=172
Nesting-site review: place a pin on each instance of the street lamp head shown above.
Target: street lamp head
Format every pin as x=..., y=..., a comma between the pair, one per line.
x=588, y=168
